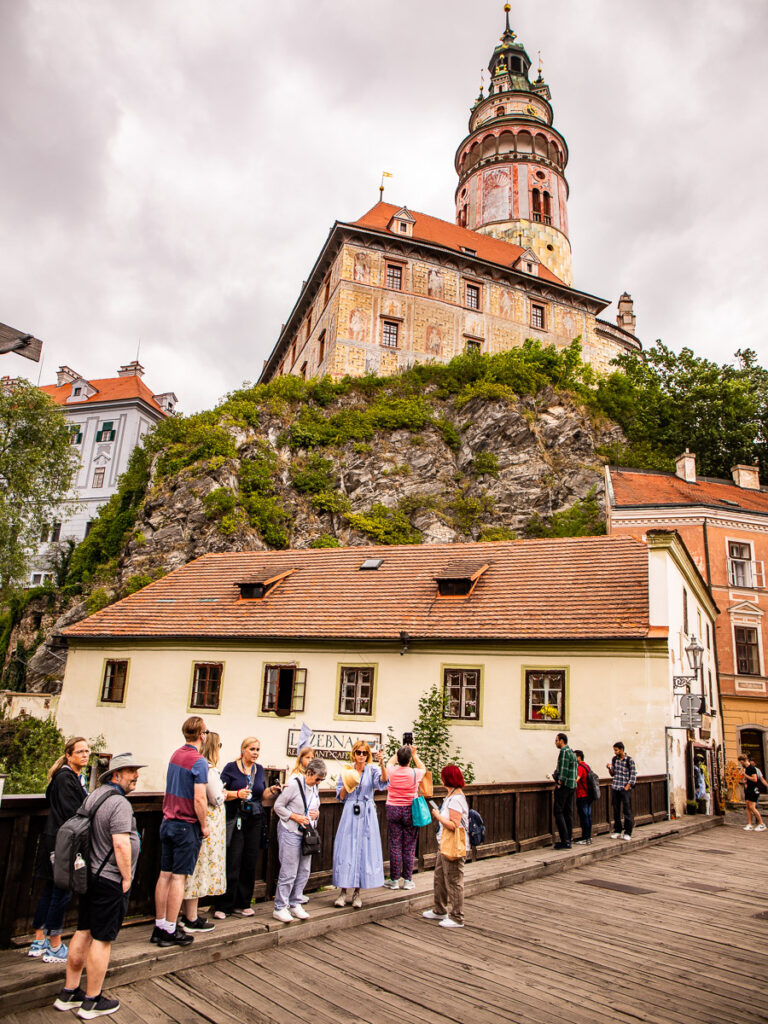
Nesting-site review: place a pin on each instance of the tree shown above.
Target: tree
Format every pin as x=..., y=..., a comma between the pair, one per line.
x=37, y=467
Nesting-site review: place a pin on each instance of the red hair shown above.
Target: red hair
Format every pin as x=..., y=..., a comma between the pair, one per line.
x=451, y=776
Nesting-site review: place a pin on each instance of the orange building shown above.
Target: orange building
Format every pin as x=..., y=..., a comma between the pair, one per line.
x=724, y=525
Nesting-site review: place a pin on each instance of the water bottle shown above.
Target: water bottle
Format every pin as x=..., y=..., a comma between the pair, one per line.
x=79, y=862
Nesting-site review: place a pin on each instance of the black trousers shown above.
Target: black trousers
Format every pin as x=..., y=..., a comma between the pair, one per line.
x=564, y=812
x=622, y=802
x=242, y=853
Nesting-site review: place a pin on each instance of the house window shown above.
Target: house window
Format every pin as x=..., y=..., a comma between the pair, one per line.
x=321, y=348
x=88, y=526
x=685, y=611
x=45, y=533
x=389, y=332
x=747, y=653
x=327, y=291
x=303, y=370
x=473, y=347
x=36, y=579
x=284, y=689
x=75, y=434
x=537, y=316
x=473, y=296
x=356, y=691
x=394, y=277
x=98, y=476
x=77, y=391
x=55, y=533
x=113, y=684
x=545, y=696
x=461, y=693
x=206, y=685
x=403, y=227
x=107, y=432
x=741, y=568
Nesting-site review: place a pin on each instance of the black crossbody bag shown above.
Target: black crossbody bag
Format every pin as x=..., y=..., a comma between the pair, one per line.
x=310, y=837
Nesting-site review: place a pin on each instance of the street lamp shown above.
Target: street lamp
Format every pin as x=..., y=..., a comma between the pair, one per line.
x=695, y=654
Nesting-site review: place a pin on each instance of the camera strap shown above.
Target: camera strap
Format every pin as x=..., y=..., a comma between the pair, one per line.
x=300, y=784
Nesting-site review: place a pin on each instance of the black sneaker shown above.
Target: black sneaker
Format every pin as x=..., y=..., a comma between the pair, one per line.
x=562, y=846
x=155, y=936
x=69, y=999
x=200, y=924
x=177, y=938
x=97, y=1006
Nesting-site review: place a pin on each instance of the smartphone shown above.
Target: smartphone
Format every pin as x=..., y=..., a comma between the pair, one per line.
x=434, y=806
x=407, y=739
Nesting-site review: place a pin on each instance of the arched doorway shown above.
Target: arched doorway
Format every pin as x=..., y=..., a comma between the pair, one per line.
x=751, y=743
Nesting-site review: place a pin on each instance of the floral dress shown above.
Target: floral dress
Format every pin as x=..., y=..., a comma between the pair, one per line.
x=210, y=874
x=357, y=858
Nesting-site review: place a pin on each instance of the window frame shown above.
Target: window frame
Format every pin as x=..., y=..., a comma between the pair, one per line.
x=390, y=324
x=55, y=533
x=298, y=690
x=393, y=269
x=107, y=427
x=102, y=701
x=208, y=709
x=346, y=716
x=473, y=345
x=476, y=289
x=99, y=472
x=463, y=668
x=560, y=725
x=75, y=434
x=742, y=643
x=539, y=306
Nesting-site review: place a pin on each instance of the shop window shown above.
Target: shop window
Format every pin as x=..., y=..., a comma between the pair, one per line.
x=114, y=682
x=206, y=685
x=461, y=693
x=284, y=689
x=545, y=696
x=356, y=691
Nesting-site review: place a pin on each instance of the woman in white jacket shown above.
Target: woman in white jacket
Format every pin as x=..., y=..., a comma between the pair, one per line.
x=298, y=808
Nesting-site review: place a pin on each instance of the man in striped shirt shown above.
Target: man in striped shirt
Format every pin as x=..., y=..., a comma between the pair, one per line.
x=623, y=779
x=184, y=825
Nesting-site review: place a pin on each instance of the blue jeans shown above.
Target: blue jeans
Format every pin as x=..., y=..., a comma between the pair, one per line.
x=584, y=807
x=49, y=916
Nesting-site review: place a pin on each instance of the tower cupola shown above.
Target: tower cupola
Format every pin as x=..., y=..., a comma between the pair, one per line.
x=511, y=165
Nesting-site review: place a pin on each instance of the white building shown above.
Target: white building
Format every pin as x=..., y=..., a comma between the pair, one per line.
x=107, y=419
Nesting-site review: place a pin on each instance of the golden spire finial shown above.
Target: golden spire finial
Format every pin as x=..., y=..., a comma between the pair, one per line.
x=540, y=64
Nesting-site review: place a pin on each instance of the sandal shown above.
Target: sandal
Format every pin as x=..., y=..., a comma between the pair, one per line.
x=219, y=915
x=245, y=912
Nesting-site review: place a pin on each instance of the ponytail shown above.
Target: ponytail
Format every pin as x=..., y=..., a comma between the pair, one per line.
x=68, y=749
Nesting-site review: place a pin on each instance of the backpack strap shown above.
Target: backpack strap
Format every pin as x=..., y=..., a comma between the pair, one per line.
x=91, y=812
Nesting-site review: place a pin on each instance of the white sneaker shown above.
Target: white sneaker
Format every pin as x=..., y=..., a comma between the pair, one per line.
x=299, y=912
x=392, y=883
x=303, y=899
x=448, y=922
x=758, y=828
x=409, y=883
x=432, y=916
x=283, y=915
x=341, y=899
x=615, y=835
x=748, y=828
x=625, y=836
x=357, y=901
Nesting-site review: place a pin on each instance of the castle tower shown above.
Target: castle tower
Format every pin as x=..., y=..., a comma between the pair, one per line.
x=511, y=165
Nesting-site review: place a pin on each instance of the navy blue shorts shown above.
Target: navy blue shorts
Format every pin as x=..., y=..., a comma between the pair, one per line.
x=179, y=846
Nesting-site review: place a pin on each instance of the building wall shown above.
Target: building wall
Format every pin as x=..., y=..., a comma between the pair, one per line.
x=611, y=692
x=434, y=320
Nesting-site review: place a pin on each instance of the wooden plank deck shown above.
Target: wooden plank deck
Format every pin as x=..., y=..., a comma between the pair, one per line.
x=690, y=949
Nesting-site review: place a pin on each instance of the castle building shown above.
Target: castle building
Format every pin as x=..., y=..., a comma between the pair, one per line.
x=397, y=286
x=107, y=418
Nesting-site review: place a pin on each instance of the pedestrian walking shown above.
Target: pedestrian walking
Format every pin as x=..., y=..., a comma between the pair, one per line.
x=247, y=796
x=184, y=826
x=64, y=794
x=566, y=777
x=402, y=833
x=448, y=878
x=114, y=852
x=750, y=778
x=583, y=799
x=357, y=859
x=210, y=875
x=623, y=779
x=298, y=808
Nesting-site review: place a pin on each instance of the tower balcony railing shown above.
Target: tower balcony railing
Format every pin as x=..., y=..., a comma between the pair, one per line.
x=541, y=218
x=742, y=573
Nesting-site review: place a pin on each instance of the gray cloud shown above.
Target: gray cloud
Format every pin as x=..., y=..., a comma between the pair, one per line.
x=169, y=171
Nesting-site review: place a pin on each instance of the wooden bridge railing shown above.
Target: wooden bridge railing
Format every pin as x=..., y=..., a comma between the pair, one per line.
x=518, y=816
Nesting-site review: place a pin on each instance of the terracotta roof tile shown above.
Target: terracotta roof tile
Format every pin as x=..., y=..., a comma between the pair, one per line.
x=108, y=389
x=634, y=488
x=580, y=588
x=442, y=232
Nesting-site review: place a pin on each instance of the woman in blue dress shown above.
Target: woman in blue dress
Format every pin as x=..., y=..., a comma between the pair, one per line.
x=357, y=858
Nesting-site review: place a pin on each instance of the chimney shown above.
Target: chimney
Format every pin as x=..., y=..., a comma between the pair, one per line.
x=134, y=369
x=626, y=318
x=685, y=467
x=66, y=375
x=747, y=477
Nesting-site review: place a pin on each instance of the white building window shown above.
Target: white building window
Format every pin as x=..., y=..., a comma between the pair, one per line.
x=743, y=570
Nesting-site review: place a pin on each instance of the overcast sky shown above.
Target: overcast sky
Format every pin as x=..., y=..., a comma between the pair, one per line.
x=169, y=169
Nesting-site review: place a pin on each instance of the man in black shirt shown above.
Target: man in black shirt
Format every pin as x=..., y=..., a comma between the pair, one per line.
x=750, y=778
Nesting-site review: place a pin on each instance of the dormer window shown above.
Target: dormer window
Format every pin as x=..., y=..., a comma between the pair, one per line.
x=459, y=579
x=77, y=391
x=258, y=585
x=402, y=222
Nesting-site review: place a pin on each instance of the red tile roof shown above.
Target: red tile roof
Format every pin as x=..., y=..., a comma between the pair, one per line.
x=108, y=389
x=634, y=488
x=451, y=236
x=574, y=588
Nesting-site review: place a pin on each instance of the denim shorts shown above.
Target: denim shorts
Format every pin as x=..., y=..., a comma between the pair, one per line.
x=179, y=846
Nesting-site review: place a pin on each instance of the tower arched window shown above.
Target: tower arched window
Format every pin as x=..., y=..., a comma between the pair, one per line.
x=536, y=204
x=499, y=111
x=546, y=208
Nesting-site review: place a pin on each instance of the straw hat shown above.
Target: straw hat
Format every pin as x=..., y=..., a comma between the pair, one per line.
x=350, y=778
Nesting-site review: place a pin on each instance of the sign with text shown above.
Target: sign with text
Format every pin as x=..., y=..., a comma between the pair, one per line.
x=690, y=710
x=335, y=746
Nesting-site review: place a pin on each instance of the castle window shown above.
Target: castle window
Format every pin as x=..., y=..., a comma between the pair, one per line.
x=545, y=689
x=321, y=348
x=403, y=227
x=389, y=333
x=499, y=111
x=356, y=691
x=303, y=370
x=394, y=276
x=107, y=432
x=546, y=213
x=75, y=434
x=309, y=323
x=55, y=533
x=536, y=204
x=327, y=292
x=461, y=693
x=472, y=296
x=98, y=476
x=473, y=347
x=283, y=690
x=537, y=316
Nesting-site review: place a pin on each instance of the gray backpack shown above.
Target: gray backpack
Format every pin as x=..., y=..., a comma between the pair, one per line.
x=72, y=853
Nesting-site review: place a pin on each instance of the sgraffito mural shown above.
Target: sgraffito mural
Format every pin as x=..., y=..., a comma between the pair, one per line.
x=434, y=341
x=496, y=186
x=507, y=304
x=435, y=284
x=358, y=325
x=362, y=268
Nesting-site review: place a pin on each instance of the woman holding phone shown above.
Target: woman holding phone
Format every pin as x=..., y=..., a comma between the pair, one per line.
x=448, y=876
x=357, y=859
x=403, y=834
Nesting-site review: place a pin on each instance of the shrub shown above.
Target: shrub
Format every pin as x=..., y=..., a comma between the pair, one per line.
x=233, y=521
x=98, y=599
x=486, y=464
x=330, y=501
x=325, y=540
x=137, y=582
x=386, y=526
x=466, y=513
x=497, y=533
x=583, y=519
x=312, y=475
x=219, y=502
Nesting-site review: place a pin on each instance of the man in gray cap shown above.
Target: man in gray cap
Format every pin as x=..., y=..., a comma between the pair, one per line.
x=114, y=852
